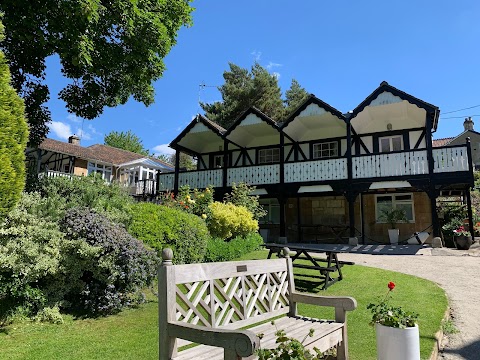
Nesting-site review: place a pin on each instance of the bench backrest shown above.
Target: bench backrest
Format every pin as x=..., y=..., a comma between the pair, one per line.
x=227, y=294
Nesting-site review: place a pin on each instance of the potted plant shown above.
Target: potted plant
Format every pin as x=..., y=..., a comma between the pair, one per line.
x=396, y=330
x=462, y=238
x=393, y=216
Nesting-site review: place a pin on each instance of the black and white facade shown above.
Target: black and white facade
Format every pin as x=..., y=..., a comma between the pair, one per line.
x=322, y=170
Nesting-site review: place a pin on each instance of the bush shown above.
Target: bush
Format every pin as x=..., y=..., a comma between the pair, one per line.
x=113, y=277
x=228, y=221
x=111, y=200
x=31, y=250
x=161, y=226
x=221, y=250
x=240, y=196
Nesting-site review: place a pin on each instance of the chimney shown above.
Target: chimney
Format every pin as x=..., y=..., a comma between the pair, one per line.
x=468, y=124
x=74, y=139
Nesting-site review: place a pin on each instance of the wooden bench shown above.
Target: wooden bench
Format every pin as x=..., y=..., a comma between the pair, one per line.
x=210, y=304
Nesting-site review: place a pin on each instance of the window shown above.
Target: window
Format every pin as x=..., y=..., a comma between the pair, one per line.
x=66, y=168
x=268, y=156
x=218, y=161
x=325, y=150
x=103, y=171
x=391, y=143
x=395, y=201
x=273, y=211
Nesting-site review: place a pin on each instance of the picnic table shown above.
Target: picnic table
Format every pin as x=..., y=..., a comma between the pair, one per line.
x=327, y=265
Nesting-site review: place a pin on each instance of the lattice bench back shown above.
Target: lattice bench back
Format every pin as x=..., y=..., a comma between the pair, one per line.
x=228, y=294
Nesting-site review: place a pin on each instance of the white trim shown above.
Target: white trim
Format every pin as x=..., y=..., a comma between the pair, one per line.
x=259, y=192
x=314, y=188
x=389, y=185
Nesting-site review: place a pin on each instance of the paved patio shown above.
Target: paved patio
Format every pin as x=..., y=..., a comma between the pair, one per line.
x=454, y=270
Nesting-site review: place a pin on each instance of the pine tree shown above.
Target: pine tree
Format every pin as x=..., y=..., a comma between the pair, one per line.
x=294, y=97
x=243, y=89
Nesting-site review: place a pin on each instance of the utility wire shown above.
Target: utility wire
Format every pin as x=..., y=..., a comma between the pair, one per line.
x=454, y=111
x=458, y=117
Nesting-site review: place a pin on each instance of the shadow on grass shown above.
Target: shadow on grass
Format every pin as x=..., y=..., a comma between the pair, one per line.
x=309, y=283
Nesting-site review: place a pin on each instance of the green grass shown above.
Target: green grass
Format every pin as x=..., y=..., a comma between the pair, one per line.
x=133, y=333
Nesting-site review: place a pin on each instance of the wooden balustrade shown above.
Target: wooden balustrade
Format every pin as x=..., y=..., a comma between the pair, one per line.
x=404, y=163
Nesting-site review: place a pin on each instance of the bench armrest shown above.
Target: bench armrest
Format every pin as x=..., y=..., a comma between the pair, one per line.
x=343, y=302
x=242, y=342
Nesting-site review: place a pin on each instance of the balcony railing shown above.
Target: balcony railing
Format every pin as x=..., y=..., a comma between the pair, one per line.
x=450, y=159
x=390, y=164
x=255, y=175
x=318, y=170
x=402, y=163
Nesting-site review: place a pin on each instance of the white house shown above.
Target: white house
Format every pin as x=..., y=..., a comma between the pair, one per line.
x=325, y=175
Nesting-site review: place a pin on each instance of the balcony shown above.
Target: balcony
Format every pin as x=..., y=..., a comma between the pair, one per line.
x=396, y=164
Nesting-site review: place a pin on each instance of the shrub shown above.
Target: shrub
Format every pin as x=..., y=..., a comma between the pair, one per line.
x=111, y=200
x=221, y=250
x=228, y=220
x=241, y=196
x=112, y=277
x=161, y=226
x=13, y=140
x=31, y=250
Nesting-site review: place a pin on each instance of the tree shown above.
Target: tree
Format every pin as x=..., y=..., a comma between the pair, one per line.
x=294, y=97
x=243, y=89
x=126, y=141
x=13, y=139
x=109, y=49
x=186, y=161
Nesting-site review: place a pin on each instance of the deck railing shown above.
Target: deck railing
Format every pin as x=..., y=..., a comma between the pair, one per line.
x=390, y=164
x=450, y=159
x=317, y=170
x=402, y=163
x=254, y=175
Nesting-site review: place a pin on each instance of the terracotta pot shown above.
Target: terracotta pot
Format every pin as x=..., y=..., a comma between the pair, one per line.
x=397, y=344
x=463, y=242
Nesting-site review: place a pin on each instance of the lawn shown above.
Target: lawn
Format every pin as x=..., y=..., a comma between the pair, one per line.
x=133, y=333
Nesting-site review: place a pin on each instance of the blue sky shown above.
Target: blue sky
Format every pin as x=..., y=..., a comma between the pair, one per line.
x=338, y=50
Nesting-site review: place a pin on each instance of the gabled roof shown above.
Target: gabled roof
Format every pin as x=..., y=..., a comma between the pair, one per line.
x=255, y=111
x=312, y=99
x=98, y=152
x=217, y=129
x=385, y=87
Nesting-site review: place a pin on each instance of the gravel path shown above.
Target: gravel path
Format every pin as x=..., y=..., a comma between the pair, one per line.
x=457, y=273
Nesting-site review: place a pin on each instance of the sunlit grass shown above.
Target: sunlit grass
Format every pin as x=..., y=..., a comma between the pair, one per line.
x=133, y=334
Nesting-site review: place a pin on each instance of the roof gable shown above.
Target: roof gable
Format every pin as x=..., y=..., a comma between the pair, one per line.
x=312, y=99
x=199, y=119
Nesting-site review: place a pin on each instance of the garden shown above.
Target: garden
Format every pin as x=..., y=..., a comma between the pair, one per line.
x=78, y=262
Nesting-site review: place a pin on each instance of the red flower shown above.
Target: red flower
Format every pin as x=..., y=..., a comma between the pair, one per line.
x=391, y=285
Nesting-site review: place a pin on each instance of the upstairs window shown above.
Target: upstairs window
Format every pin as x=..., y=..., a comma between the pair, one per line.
x=269, y=156
x=325, y=150
x=391, y=143
x=218, y=161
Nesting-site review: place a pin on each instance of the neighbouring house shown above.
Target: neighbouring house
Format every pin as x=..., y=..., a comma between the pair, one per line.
x=324, y=175
x=468, y=132
x=58, y=158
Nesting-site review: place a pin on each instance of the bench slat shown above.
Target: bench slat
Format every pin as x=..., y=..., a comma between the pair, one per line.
x=198, y=272
x=327, y=334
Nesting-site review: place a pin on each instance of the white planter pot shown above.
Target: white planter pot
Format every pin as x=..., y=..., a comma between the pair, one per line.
x=397, y=344
x=393, y=235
